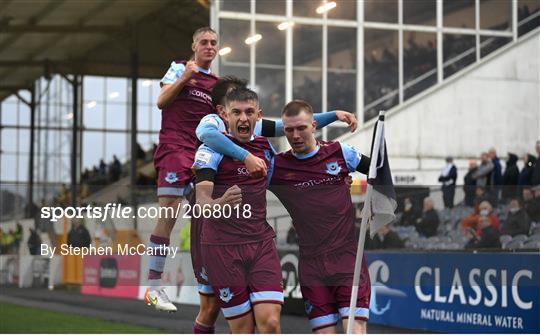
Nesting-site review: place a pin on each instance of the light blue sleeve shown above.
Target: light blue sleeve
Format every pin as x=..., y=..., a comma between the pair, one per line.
x=279, y=128
x=352, y=156
x=206, y=158
x=258, y=128
x=323, y=120
x=175, y=71
x=210, y=132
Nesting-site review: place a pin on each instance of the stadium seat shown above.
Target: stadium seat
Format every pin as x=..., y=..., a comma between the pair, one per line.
x=531, y=245
x=535, y=237
x=535, y=230
x=520, y=237
x=513, y=245
x=505, y=239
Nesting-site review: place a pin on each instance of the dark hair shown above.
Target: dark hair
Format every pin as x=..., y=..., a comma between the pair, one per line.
x=519, y=201
x=241, y=94
x=294, y=108
x=203, y=30
x=223, y=86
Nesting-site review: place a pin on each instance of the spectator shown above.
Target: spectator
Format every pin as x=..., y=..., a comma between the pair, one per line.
x=487, y=239
x=17, y=237
x=34, y=242
x=535, y=177
x=480, y=196
x=102, y=168
x=518, y=221
x=526, y=173
x=496, y=176
x=116, y=169
x=510, y=177
x=497, y=169
x=410, y=213
x=386, y=239
x=484, y=171
x=429, y=222
x=3, y=242
x=486, y=211
x=78, y=235
x=470, y=184
x=6, y=242
x=531, y=203
x=448, y=179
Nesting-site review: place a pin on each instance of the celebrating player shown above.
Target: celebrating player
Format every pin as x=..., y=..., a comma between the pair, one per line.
x=301, y=177
x=185, y=98
x=264, y=127
x=238, y=248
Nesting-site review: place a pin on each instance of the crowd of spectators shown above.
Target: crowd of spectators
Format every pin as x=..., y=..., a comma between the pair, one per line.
x=499, y=204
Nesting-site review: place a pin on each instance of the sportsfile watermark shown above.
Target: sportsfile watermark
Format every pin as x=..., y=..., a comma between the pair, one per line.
x=119, y=211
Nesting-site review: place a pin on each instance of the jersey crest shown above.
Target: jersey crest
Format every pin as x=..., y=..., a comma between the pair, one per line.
x=171, y=177
x=225, y=294
x=333, y=168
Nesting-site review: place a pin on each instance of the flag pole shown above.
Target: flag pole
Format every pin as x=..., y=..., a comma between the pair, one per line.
x=366, y=214
x=358, y=264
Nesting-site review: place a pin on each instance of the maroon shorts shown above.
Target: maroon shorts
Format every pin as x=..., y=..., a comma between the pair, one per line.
x=243, y=275
x=173, y=168
x=326, y=285
x=195, y=250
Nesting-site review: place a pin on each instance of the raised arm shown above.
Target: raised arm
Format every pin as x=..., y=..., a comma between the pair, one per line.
x=275, y=128
x=174, y=81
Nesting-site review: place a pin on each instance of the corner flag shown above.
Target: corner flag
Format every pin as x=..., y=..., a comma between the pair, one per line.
x=382, y=203
x=379, y=205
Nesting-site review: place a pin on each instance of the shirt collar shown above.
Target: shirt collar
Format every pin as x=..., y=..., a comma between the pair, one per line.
x=306, y=155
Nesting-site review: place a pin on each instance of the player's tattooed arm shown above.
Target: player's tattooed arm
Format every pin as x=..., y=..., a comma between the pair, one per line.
x=208, y=132
x=169, y=92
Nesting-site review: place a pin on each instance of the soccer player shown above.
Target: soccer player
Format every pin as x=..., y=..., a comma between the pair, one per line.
x=239, y=251
x=312, y=171
x=301, y=178
x=263, y=127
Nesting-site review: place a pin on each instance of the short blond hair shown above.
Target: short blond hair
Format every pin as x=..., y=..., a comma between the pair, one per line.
x=203, y=30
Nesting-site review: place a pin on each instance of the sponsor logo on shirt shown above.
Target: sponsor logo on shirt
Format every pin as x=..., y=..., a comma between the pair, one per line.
x=202, y=158
x=242, y=171
x=199, y=94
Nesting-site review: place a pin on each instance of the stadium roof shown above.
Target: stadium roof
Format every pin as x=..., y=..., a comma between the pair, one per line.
x=93, y=37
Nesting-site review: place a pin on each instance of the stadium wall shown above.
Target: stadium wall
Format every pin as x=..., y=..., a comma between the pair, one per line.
x=495, y=103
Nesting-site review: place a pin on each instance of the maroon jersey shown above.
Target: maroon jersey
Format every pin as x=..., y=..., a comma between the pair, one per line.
x=314, y=192
x=246, y=224
x=180, y=119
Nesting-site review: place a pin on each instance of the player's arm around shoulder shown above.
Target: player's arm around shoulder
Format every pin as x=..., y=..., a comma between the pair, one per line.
x=174, y=81
x=355, y=160
x=205, y=167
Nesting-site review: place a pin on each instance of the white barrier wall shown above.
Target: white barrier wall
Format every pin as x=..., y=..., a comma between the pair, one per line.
x=493, y=104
